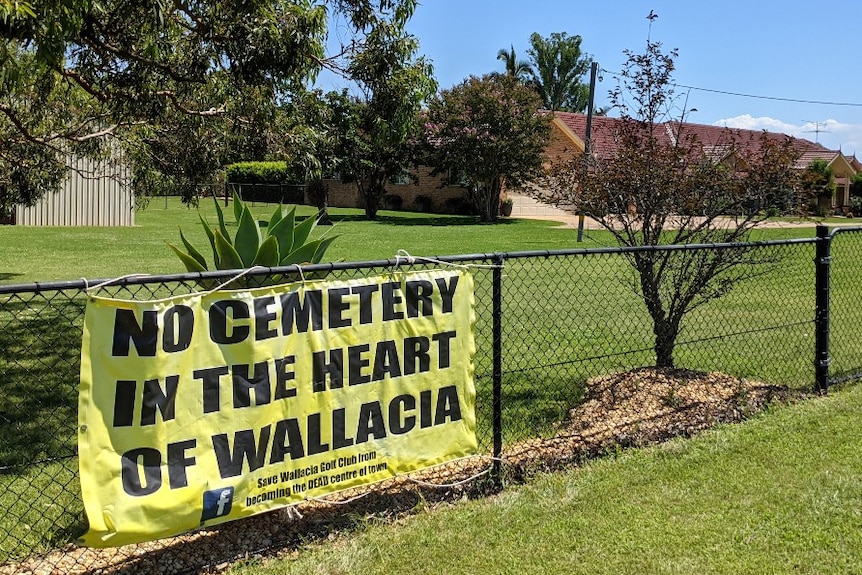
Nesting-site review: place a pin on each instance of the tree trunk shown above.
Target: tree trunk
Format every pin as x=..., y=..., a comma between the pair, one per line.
x=665, y=328
x=370, y=190
x=490, y=201
x=665, y=341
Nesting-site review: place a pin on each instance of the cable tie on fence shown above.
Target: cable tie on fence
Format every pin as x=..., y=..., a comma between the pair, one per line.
x=410, y=259
x=292, y=513
x=88, y=289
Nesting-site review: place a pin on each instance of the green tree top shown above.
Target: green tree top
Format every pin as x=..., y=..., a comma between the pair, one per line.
x=516, y=68
x=558, y=66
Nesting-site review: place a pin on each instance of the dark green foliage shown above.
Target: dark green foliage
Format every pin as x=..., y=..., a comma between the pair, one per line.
x=393, y=201
x=558, y=66
x=374, y=130
x=183, y=88
x=262, y=173
x=423, y=203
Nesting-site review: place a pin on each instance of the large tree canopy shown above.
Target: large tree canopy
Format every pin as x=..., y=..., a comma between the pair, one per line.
x=374, y=129
x=157, y=71
x=558, y=66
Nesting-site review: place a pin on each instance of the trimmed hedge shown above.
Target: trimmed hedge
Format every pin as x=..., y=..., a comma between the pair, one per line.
x=261, y=173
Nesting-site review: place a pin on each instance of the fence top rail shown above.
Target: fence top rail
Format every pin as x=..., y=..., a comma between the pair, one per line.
x=400, y=260
x=841, y=229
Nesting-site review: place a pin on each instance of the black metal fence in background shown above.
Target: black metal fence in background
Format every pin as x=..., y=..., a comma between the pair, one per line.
x=547, y=324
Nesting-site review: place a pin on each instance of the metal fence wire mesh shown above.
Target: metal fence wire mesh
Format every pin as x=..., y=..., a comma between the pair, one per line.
x=547, y=326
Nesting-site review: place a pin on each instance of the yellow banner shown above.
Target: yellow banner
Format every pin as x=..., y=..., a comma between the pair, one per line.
x=201, y=409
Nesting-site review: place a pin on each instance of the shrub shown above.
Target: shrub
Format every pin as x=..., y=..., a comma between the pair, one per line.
x=261, y=173
x=458, y=206
x=392, y=201
x=266, y=181
x=423, y=203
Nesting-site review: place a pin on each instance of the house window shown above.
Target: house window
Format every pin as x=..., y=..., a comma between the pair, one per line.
x=402, y=179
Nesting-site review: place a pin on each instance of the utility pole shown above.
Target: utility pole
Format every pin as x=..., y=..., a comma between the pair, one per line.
x=588, y=148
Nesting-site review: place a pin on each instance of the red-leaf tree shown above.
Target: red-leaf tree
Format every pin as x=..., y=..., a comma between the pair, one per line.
x=489, y=131
x=662, y=185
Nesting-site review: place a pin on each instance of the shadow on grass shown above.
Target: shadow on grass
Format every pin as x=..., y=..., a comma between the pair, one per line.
x=39, y=370
x=40, y=348
x=420, y=220
x=5, y=276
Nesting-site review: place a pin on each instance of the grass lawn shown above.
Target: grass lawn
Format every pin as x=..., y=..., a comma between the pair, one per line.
x=29, y=254
x=781, y=493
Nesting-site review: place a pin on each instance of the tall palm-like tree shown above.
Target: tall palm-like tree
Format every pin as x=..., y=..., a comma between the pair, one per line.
x=519, y=69
x=558, y=65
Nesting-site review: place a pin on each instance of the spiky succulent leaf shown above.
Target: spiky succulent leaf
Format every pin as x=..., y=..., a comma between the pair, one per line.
x=190, y=262
x=220, y=215
x=192, y=251
x=238, y=206
x=283, y=232
x=302, y=255
x=267, y=254
x=302, y=230
x=209, y=232
x=275, y=218
x=228, y=258
x=321, y=249
x=247, y=239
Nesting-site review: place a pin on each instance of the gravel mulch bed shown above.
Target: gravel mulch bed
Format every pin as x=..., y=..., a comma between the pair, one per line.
x=633, y=408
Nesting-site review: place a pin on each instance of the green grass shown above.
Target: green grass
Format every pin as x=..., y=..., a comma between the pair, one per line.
x=29, y=254
x=781, y=493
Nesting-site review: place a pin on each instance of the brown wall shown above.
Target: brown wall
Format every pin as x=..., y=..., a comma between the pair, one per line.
x=345, y=194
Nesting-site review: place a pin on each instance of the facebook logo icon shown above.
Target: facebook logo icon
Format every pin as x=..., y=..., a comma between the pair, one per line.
x=217, y=503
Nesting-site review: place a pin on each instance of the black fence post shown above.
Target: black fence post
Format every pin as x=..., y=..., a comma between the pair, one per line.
x=497, y=344
x=822, y=263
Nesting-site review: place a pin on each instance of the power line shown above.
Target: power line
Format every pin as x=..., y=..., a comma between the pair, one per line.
x=758, y=97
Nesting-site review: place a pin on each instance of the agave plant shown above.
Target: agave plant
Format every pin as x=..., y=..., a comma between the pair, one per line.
x=284, y=241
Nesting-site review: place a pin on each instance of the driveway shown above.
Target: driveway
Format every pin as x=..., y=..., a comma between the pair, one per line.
x=529, y=208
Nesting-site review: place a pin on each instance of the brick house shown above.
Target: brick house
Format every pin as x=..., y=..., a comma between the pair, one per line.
x=570, y=129
x=444, y=196
x=568, y=132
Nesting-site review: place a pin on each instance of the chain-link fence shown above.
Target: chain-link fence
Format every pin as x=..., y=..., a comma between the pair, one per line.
x=549, y=326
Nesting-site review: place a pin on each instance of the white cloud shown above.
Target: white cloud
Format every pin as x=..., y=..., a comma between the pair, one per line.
x=831, y=133
x=749, y=122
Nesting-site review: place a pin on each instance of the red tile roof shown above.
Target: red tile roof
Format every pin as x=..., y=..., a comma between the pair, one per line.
x=714, y=139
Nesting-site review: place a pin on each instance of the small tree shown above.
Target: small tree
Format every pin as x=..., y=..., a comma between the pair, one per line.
x=491, y=130
x=376, y=128
x=663, y=186
x=856, y=194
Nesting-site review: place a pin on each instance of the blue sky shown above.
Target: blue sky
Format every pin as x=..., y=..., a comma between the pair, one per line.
x=789, y=50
